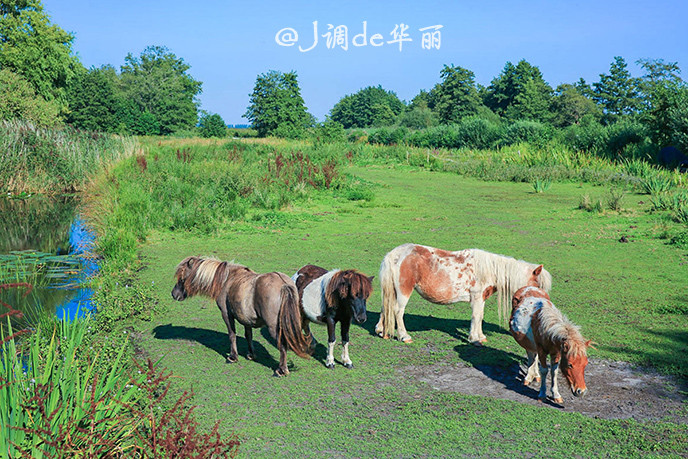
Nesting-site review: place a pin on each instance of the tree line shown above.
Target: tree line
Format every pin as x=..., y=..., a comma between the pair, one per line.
x=658, y=99
x=42, y=80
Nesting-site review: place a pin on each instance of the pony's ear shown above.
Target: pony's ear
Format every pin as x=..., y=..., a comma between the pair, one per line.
x=371, y=278
x=565, y=346
x=537, y=271
x=589, y=343
x=189, y=263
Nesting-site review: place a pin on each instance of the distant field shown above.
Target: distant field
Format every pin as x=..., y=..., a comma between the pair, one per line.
x=628, y=297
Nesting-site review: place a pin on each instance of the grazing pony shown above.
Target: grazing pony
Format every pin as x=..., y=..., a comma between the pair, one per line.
x=328, y=297
x=444, y=277
x=255, y=300
x=542, y=330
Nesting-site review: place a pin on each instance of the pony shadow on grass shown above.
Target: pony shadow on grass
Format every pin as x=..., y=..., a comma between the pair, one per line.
x=456, y=328
x=503, y=367
x=216, y=341
x=319, y=350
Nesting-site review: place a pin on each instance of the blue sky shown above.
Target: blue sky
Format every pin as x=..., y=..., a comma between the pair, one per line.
x=228, y=43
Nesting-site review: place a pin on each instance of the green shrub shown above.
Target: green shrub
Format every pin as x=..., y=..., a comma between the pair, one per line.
x=531, y=132
x=329, y=131
x=622, y=134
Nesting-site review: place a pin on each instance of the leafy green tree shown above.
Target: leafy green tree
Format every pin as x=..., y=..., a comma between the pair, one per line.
x=422, y=100
x=456, y=96
x=19, y=100
x=371, y=106
x=617, y=92
x=34, y=48
x=276, y=106
x=570, y=106
x=519, y=93
x=161, y=90
x=665, y=102
x=418, y=117
x=212, y=125
x=95, y=100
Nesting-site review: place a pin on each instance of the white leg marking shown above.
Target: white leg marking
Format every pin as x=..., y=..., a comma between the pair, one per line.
x=330, y=354
x=345, y=355
x=555, y=385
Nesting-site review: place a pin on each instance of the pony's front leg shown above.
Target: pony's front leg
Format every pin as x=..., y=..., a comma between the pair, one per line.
x=231, y=331
x=555, y=385
x=533, y=372
x=477, y=311
x=248, y=333
x=543, y=382
x=380, y=327
x=345, y=344
x=331, y=340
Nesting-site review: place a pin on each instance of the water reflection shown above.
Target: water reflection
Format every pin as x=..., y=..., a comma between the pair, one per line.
x=43, y=243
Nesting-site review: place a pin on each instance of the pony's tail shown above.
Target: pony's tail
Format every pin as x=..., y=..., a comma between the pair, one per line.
x=389, y=297
x=289, y=332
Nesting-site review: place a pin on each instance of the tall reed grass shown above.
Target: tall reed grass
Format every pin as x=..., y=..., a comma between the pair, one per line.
x=54, y=160
x=59, y=397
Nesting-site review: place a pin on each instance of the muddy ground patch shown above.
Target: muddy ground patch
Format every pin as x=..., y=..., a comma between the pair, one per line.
x=617, y=390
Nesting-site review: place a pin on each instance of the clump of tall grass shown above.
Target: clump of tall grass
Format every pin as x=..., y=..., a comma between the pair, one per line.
x=58, y=399
x=542, y=185
x=615, y=199
x=653, y=184
x=54, y=160
x=588, y=204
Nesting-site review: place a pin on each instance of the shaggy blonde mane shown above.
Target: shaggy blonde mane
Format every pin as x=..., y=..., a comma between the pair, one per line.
x=557, y=328
x=508, y=275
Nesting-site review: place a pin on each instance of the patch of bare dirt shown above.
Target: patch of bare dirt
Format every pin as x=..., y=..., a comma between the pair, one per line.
x=616, y=390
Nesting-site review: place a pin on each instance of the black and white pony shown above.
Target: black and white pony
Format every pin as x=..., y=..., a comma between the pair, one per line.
x=328, y=297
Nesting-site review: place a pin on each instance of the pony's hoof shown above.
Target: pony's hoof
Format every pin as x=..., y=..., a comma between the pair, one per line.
x=406, y=340
x=349, y=365
x=526, y=383
x=384, y=336
x=537, y=379
x=330, y=366
x=249, y=357
x=280, y=373
x=542, y=399
x=477, y=343
x=559, y=400
x=231, y=360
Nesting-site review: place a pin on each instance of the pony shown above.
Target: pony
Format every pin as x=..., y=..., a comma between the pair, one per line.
x=542, y=330
x=444, y=277
x=254, y=300
x=328, y=297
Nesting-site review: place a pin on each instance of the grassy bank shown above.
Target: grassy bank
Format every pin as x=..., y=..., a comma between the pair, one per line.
x=381, y=404
x=256, y=202
x=54, y=161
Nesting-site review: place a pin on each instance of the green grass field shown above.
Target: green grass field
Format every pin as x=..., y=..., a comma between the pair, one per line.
x=628, y=297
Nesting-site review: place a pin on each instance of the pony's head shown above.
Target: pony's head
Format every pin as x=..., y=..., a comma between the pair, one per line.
x=350, y=289
x=540, y=278
x=197, y=275
x=574, y=359
x=185, y=272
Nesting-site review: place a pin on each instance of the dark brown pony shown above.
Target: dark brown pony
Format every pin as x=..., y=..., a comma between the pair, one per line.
x=328, y=297
x=255, y=300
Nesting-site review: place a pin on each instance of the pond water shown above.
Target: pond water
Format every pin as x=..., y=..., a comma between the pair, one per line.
x=46, y=244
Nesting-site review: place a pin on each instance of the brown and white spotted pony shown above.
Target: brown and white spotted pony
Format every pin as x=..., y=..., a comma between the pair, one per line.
x=254, y=300
x=328, y=297
x=444, y=277
x=542, y=330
